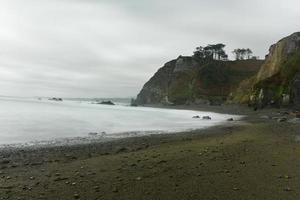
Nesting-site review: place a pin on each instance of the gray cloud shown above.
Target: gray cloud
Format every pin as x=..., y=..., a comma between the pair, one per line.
x=95, y=48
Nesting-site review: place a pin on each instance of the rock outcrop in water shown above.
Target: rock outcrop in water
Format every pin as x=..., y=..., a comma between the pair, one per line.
x=278, y=81
x=185, y=80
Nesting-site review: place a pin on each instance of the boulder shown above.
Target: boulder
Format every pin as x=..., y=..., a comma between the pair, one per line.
x=206, y=117
x=107, y=103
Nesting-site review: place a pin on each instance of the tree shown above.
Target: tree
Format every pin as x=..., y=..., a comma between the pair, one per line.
x=236, y=52
x=211, y=52
x=241, y=54
x=249, y=53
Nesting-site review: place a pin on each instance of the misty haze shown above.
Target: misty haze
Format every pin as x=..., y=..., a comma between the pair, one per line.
x=153, y=100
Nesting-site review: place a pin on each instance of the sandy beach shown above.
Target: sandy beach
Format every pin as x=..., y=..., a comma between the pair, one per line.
x=258, y=158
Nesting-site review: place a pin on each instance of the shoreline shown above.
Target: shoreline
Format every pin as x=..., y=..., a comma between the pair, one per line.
x=86, y=140
x=219, y=162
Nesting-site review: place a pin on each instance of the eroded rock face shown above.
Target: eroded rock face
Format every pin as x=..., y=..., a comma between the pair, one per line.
x=296, y=91
x=156, y=89
x=273, y=85
x=185, y=81
x=184, y=63
x=278, y=53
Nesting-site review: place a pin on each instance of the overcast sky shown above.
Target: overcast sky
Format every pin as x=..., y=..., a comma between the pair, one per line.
x=97, y=48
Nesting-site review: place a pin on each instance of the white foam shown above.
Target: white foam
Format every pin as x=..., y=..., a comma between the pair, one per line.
x=27, y=120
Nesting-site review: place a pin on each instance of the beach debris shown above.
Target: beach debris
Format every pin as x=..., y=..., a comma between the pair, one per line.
x=206, y=117
x=196, y=116
x=235, y=189
x=230, y=119
x=139, y=178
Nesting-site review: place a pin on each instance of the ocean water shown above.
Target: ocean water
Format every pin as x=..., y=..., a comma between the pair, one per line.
x=32, y=120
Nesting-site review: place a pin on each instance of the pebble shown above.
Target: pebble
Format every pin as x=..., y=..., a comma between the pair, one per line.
x=115, y=189
x=287, y=189
x=76, y=196
x=287, y=177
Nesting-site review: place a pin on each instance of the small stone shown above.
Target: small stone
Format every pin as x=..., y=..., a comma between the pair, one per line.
x=76, y=196
x=138, y=178
x=235, y=189
x=96, y=187
x=161, y=161
x=287, y=177
x=115, y=189
x=287, y=189
x=283, y=119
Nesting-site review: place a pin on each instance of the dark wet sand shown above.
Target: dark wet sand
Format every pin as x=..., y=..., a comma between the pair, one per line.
x=257, y=159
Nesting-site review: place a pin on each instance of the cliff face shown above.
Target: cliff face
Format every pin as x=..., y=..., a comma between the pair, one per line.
x=277, y=82
x=184, y=81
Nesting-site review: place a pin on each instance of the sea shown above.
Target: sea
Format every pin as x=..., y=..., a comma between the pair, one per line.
x=30, y=121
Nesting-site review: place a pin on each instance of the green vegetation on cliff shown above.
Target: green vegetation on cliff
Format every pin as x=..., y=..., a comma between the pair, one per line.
x=275, y=83
x=205, y=77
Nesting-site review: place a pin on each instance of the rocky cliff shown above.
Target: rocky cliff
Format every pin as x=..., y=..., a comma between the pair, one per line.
x=185, y=80
x=278, y=81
